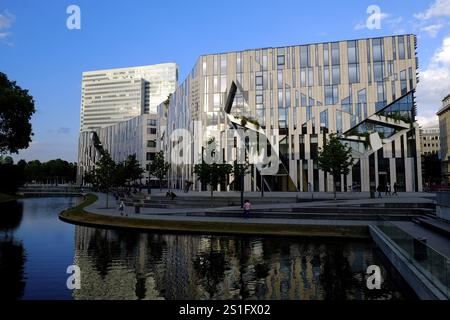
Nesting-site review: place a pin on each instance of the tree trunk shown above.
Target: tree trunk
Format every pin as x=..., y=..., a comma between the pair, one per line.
x=334, y=186
x=212, y=190
x=107, y=200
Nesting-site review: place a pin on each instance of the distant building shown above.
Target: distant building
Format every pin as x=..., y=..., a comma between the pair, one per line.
x=134, y=136
x=118, y=112
x=429, y=140
x=444, y=127
x=114, y=95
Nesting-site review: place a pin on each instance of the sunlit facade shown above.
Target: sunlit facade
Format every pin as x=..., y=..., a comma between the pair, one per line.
x=361, y=89
x=114, y=95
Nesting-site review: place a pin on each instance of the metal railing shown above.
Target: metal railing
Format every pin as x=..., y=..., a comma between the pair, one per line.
x=432, y=264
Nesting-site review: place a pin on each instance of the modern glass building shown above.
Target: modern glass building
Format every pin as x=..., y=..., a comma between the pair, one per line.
x=114, y=95
x=363, y=90
x=118, y=112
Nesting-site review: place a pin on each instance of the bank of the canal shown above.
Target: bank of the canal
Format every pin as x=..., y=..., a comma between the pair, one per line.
x=90, y=213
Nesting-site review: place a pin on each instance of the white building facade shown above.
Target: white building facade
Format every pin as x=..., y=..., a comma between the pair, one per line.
x=362, y=90
x=118, y=112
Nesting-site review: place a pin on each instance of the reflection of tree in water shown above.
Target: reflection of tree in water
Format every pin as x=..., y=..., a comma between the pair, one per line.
x=12, y=261
x=12, y=253
x=11, y=215
x=210, y=267
x=337, y=277
x=102, y=250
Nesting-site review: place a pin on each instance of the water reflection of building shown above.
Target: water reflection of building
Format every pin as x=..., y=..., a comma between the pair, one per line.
x=125, y=265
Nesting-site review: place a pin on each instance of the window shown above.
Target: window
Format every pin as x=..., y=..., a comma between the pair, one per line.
x=282, y=117
x=223, y=83
x=324, y=119
x=151, y=122
x=280, y=98
x=336, y=75
x=223, y=64
x=239, y=59
x=401, y=47
x=352, y=52
x=288, y=98
x=326, y=54
x=377, y=48
x=326, y=76
x=303, y=100
x=353, y=73
x=331, y=95
x=151, y=144
x=280, y=58
x=258, y=80
x=408, y=46
x=310, y=77
x=335, y=58
x=338, y=121
x=303, y=77
x=394, y=48
x=280, y=79
x=150, y=156
x=264, y=62
x=304, y=56
x=403, y=87
x=410, y=77
x=151, y=130
x=378, y=71
x=353, y=61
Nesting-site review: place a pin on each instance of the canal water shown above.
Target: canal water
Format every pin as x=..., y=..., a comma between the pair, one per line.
x=36, y=249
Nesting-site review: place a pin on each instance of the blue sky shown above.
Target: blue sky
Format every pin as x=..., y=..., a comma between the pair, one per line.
x=39, y=52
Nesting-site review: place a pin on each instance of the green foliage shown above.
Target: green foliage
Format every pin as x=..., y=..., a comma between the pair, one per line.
x=158, y=168
x=16, y=109
x=212, y=174
x=335, y=158
x=52, y=171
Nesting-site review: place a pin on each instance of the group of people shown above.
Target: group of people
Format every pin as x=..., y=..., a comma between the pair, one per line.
x=387, y=190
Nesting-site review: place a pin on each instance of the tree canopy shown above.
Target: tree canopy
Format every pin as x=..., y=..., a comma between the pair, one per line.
x=158, y=167
x=16, y=109
x=335, y=158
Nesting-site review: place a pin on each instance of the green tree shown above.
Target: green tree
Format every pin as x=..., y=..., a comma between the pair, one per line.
x=103, y=177
x=335, y=158
x=158, y=167
x=212, y=174
x=16, y=109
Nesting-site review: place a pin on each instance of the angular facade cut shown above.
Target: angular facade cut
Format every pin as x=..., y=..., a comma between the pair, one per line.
x=118, y=112
x=297, y=96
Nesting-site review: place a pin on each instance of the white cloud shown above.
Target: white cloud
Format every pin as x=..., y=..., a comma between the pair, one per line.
x=433, y=29
x=440, y=8
x=6, y=20
x=4, y=35
x=434, y=84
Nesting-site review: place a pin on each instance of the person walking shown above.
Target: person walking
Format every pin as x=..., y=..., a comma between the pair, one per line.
x=247, y=208
x=388, y=189
x=395, y=188
x=379, y=189
x=121, y=207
